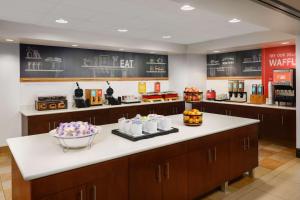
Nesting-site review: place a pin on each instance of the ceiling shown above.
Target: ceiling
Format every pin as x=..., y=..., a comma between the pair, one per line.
x=293, y=3
x=95, y=22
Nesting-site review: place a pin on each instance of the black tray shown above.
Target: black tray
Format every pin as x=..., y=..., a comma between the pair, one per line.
x=145, y=134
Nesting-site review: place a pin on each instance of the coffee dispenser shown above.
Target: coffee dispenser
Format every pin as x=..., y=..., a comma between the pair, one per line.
x=236, y=90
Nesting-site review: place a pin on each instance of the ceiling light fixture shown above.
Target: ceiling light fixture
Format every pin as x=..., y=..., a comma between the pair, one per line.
x=166, y=36
x=61, y=21
x=234, y=20
x=152, y=52
x=121, y=49
x=9, y=40
x=122, y=30
x=285, y=43
x=216, y=51
x=187, y=8
x=74, y=45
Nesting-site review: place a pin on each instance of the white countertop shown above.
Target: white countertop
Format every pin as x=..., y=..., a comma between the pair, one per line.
x=30, y=110
x=40, y=155
x=253, y=105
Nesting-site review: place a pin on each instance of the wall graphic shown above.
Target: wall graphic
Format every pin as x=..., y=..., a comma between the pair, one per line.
x=49, y=63
x=277, y=58
x=234, y=64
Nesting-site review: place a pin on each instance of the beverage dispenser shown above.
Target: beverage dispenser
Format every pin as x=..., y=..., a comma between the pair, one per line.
x=284, y=86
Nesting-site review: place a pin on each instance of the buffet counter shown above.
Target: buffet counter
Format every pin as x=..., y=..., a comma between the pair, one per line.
x=50, y=159
x=198, y=159
x=253, y=105
x=30, y=110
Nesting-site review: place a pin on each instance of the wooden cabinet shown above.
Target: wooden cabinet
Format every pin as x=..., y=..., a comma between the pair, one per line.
x=119, y=112
x=276, y=125
x=243, y=150
x=44, y=123
x=159, y=174
x=208, y=167
x=181, y=171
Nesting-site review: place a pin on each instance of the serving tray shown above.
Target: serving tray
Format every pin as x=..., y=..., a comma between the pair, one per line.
x=145, y=135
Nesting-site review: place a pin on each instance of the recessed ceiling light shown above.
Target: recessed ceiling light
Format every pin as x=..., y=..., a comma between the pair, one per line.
x=166, y=36
x=61, y=21
x=216, y=51
x=234, y=20
x=152, y=52
x=123, y=30
x=74, y=45
x=9, y=40
x=121, y=49
x=187, y=8
x=285, y=43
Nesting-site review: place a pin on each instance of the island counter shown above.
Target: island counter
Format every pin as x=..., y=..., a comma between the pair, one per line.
x=182, y=165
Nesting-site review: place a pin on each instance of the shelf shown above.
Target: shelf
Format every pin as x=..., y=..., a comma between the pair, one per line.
x=212, y=64
x=28, y=58
x=44, y=70
x=249, y=62
x=106, y=67
x=156, y=72
x=150, y=63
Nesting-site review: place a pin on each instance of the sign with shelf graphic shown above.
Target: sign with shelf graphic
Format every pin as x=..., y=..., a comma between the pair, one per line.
x=50, y=63
x=234, y=64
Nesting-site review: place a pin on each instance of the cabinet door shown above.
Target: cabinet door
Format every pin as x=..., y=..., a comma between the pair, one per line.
x=243, y=150
x=220, y=151
x=39, y=124
x=101, y=117
x=175, y=178
x=72, y=194
x=145, y=176
x=271, y=124
x=84, y=116
x=199, y=172
x=111, y=186
x=289, y=127
x=117, y=113
x=147, y=109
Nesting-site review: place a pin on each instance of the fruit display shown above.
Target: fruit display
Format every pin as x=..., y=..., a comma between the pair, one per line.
x=192, y=117
x=192, y=94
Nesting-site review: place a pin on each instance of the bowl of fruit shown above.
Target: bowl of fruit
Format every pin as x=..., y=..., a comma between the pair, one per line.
x=192, y=117
x=192, y=95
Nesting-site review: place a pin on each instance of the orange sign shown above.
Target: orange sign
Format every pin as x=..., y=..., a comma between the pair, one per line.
x=157, y=87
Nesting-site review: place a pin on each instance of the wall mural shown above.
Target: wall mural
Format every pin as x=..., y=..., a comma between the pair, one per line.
x=49, y=63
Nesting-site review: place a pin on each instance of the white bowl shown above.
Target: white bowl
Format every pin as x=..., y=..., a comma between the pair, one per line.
x=75, y=142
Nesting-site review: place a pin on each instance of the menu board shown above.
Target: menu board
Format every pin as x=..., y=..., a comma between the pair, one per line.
x=49, y=63
x=234, y=64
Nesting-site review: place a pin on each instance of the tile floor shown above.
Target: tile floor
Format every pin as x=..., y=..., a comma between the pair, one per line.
x=276, y=178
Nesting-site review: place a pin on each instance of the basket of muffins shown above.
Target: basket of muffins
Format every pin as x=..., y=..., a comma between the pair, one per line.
x=192, y=117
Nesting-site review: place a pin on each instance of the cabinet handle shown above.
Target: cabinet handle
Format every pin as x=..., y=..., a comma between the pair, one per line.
x=90, y=120
x=81, y=194
x=230, y=112
x=54, y=124
x=244, y=144
x=215, y=154
x=262, y=117
x=94, y=192
x=158, y=173
x=127, y=115
x=258, y=117
x=226, y=112
x=49, y=126
x=248, y=142
x=167, y=170
x=282, y=120
x=94, y=120
x=209, y=156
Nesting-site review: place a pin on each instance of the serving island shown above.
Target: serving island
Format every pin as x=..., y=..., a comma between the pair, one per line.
x=183, y=165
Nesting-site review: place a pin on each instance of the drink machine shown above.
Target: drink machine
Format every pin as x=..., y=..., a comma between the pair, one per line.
x=284, y=86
